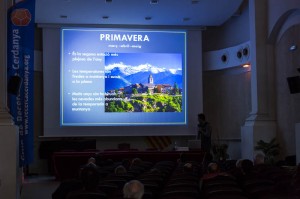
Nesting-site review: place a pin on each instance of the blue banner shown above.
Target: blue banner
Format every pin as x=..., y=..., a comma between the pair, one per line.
x=20, y=73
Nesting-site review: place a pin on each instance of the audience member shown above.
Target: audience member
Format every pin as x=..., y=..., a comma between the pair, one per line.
x=238, y=164
x=155, y=171
x=188, y=167
x=120, y=170
x=245, y=171
x=247, y=166
x=66, y=187
x=126, y=163
x=91, y=161
x=90, y=178
x=136, y=162
x=213, y=170
x=237, y=171
x=182, y=158
x=75, y=185
x=259, y=159
x=133, y=189
x=138, y=166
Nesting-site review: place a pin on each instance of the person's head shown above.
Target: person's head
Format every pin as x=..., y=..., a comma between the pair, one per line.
x=155, y=171
x=133, y=189
x=238, y=163
x=247, y=166
x=91, y=160
x=259, y=159
x=126, y=163
x=136, y=162
x=188, y=167
x=213, y=167
x=201, y=116
x=120, y=170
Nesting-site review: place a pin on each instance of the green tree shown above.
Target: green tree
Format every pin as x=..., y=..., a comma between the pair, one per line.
x=134, y=91
x=175, y=89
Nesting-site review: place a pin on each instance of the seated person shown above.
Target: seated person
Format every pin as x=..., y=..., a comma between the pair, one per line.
x=120, y=170
x=247, y=166
x=247, y=171
x=133, y=189
x=65, y=187
x=259, y=159
x=91, y=161
x=213, y=171
x=126, y=163
x=136, y=162
x=137, y=166
x=90, y=179
x=188, y=167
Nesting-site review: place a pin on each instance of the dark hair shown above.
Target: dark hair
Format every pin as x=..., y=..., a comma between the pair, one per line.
x=201, y=116
x=247, y=166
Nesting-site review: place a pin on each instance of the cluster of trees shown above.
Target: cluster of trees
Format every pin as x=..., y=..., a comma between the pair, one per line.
x=146, y=103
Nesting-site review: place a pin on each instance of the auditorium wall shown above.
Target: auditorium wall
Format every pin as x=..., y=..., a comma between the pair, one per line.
x=227, y=99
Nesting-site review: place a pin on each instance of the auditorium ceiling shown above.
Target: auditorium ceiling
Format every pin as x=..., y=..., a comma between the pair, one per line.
x=200, y=13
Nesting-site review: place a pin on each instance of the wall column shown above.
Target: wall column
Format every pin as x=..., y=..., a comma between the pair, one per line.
x=297, y=136
x=9, y=134
x=260, y=125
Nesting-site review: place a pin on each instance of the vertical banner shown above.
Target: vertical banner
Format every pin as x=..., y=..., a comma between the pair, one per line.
x=20, y=73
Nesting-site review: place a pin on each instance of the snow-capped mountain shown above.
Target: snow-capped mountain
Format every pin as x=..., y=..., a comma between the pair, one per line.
x=129, y=70
x=128, y=75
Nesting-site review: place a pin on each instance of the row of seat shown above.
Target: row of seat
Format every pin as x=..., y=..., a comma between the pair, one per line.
x=173, y=180
x=264, y=182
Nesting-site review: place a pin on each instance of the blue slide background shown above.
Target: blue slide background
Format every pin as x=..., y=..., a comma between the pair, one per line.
x=84, y=54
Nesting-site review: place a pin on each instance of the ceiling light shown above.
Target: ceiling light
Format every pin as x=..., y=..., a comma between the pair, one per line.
x=293, y=47
x=186, y=19
x=195, y=1
x=246, y=65
x=153, y=1
x=108, y=1
x=63, y=16
x=105, y=17
x=148, y=18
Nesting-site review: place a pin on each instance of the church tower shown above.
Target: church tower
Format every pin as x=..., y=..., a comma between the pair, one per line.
x=150, y=79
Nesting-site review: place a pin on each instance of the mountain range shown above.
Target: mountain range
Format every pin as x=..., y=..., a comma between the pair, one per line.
x=139, y=74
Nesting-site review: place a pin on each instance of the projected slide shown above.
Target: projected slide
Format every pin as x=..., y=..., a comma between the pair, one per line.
x=122, y=77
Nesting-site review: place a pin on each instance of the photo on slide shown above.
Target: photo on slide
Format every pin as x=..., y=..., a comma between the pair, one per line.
x=143, y=82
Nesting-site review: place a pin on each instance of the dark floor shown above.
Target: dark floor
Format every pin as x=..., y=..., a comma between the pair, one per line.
x=37, y=187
